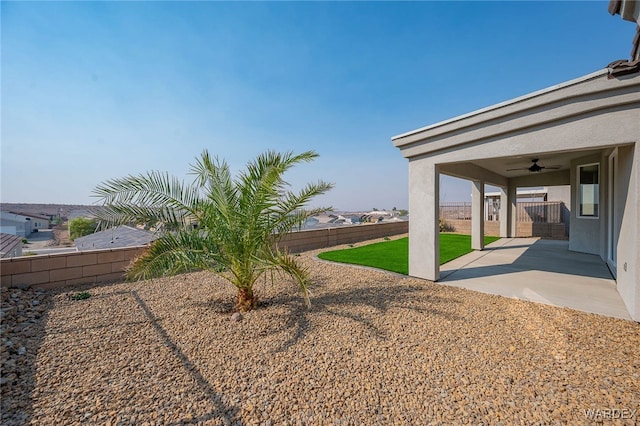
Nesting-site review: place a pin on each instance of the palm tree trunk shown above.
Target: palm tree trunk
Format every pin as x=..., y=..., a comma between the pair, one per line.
x=246, y=300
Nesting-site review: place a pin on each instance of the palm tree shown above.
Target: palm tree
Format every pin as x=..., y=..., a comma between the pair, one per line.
x=229, y=226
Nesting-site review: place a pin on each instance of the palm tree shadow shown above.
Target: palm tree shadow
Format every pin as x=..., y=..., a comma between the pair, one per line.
x=229, y=415
x=218, y=305
x=16, y=404
x=377, y=299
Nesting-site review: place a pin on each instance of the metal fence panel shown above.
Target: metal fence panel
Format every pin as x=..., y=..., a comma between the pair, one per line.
x=540, y=211
x=527, y=211
x=457, y=211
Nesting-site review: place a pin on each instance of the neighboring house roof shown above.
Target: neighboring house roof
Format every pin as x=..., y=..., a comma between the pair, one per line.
x=120, y=236
x=20, y=221
x=393, y=219
x=8, y=242
x=13, y=215
x=14, y=218
x=35, y=216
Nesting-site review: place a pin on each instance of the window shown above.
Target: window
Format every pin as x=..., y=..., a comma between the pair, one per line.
x=588, y=190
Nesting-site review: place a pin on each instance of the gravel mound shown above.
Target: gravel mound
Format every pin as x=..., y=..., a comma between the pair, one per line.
x=374, y=348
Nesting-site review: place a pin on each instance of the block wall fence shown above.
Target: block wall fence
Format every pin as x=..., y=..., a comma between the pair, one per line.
x=554, y=231
x=53, y=271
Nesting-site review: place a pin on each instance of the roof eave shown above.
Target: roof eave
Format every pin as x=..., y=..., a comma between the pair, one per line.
x=398, y=142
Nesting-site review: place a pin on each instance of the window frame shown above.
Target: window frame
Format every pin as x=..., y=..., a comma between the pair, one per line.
x=579, y=192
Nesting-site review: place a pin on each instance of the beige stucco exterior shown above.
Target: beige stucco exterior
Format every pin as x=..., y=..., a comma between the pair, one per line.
x=590, y=120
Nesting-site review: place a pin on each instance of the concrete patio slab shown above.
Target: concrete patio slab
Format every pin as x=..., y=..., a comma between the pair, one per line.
x=542, y=271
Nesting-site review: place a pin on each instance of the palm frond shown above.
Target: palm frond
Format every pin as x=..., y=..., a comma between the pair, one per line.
x=300, y=274
x=290, y=212
x=153, y=197
x=172, y=254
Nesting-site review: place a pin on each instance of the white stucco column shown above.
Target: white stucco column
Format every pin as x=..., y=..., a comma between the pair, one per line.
x=504, y=212
x=424, y=229
x=477, y=215
x=512, y=210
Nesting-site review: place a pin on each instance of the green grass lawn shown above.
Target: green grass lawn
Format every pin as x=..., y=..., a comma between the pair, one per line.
x=394, y=255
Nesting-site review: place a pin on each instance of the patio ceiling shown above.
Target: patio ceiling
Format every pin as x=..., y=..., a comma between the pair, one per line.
x=501, y=165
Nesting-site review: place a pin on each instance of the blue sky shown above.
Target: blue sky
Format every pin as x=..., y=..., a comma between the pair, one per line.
x=97, y=90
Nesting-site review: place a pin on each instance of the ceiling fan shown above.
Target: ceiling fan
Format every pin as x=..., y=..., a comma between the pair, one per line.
x=535, y=167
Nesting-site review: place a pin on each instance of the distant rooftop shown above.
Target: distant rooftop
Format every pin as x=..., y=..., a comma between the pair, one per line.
x=35, y=216
x=118, y=237
x=8, y=242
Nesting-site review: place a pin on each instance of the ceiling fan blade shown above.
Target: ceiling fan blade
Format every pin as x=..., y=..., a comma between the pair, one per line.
x=520, y=168
x=551, y=167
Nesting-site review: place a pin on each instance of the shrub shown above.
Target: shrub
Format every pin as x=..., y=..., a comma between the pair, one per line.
x=444, y=226
x=81, y=226
x=80, y=296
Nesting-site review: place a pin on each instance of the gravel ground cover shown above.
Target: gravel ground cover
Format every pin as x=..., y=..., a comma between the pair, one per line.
x=374, y=348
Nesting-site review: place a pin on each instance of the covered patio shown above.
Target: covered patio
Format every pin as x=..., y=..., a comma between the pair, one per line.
x=542, y=271
x=583, y=133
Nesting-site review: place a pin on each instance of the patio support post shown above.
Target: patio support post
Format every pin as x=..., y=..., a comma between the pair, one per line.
x=512, y=210
x=505, y=217
x=477, y=215
x=424, y=227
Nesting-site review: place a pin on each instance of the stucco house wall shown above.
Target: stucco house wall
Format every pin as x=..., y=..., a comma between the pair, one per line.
x=585, y=232
x=39, y=222
x=628, y=218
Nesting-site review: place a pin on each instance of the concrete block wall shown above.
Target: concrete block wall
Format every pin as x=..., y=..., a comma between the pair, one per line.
x=318, y=238
x=94, y=266
x=67, y=269
x=491, y=228
x=554, y=231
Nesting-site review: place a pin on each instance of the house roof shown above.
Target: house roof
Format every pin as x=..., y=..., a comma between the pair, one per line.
x=118, y=237
x=557, y=126
x=35, y=216
x=582, y=97
x=398, y=139
x=629, y=10
x=10, y=217
x=8, y=242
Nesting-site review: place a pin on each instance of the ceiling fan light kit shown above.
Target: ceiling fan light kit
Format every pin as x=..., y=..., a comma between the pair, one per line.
x=535, y=167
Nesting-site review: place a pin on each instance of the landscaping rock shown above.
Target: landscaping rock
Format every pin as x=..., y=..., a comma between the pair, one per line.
x=20, y=286
x=373, y=348
x=21, y=331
